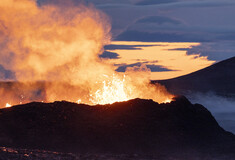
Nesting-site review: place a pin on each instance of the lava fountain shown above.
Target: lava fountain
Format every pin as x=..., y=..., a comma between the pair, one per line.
x=54, y=49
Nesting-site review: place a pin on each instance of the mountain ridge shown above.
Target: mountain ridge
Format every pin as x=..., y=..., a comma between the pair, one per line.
x=218, y=78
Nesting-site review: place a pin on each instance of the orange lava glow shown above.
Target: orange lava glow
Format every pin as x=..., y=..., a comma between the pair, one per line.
x=118, y=89
x=113, y=90
x=54, y=53
x=167, y=101
x=8, y=105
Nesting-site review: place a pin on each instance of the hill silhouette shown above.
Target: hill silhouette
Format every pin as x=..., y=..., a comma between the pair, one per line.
x=218, y=78
x=136, y=126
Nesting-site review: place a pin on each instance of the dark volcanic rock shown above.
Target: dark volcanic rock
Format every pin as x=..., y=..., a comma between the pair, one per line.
x=26, y=154
x=218, y=78
x=135, y=126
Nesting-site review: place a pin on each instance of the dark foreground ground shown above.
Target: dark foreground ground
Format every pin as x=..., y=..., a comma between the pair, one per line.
x=26, y=154
x=136, y=129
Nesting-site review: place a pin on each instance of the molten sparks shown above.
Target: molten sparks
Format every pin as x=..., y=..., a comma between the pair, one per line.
x=8, y=105
x=113, y=90
x=79, y=101
x=167, y=101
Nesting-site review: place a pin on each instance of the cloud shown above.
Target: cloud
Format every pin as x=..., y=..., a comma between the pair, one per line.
x=228, y=36
x=214, y=50
x=126, y=47
x=151, y=2
x=152, y=67
x=172, y=21
x=200, y=14
x=109, y=55
x=178, y=4
x=98, y=2
x=159, y=20
x=167, y=4
x=61, y=3
x=132, y=35
x=167, y=30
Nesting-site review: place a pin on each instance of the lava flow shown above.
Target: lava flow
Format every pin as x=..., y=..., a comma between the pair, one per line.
x=53, y=50
x=115, y=89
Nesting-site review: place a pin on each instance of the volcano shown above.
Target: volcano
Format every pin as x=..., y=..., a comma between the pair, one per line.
x=138, y=126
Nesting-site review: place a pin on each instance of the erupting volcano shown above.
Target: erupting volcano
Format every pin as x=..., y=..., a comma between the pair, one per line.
x=61, y=94
x=54, y=53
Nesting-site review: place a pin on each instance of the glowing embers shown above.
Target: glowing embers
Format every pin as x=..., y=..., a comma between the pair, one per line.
x=117, y=88
x=79, y=101
x=167, y=101
x=113, y=89
x=8, y=105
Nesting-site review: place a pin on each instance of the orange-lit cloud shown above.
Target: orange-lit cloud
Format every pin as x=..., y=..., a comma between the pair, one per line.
x=38, y=41
x=162, y=54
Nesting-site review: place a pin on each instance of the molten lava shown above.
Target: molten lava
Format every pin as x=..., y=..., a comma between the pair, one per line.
x=116, y=89
x=113, y=90
x=8, y=105
x=167, y=100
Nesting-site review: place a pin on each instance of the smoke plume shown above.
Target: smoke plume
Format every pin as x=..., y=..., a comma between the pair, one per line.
x=59, y=44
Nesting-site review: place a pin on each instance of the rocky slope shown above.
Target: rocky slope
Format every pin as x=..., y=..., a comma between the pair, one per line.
x=178, y=129
x=218, y=78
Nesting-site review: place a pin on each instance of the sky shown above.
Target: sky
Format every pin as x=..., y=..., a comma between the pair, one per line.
x=196, y=34
x=206, y=22
x=164, y=59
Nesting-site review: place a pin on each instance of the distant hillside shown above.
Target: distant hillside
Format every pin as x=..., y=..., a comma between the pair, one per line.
x=218, y=78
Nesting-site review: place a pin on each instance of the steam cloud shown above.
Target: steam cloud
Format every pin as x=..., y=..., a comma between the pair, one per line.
x=221, y=107
x=60, y=46
x=36, y=42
